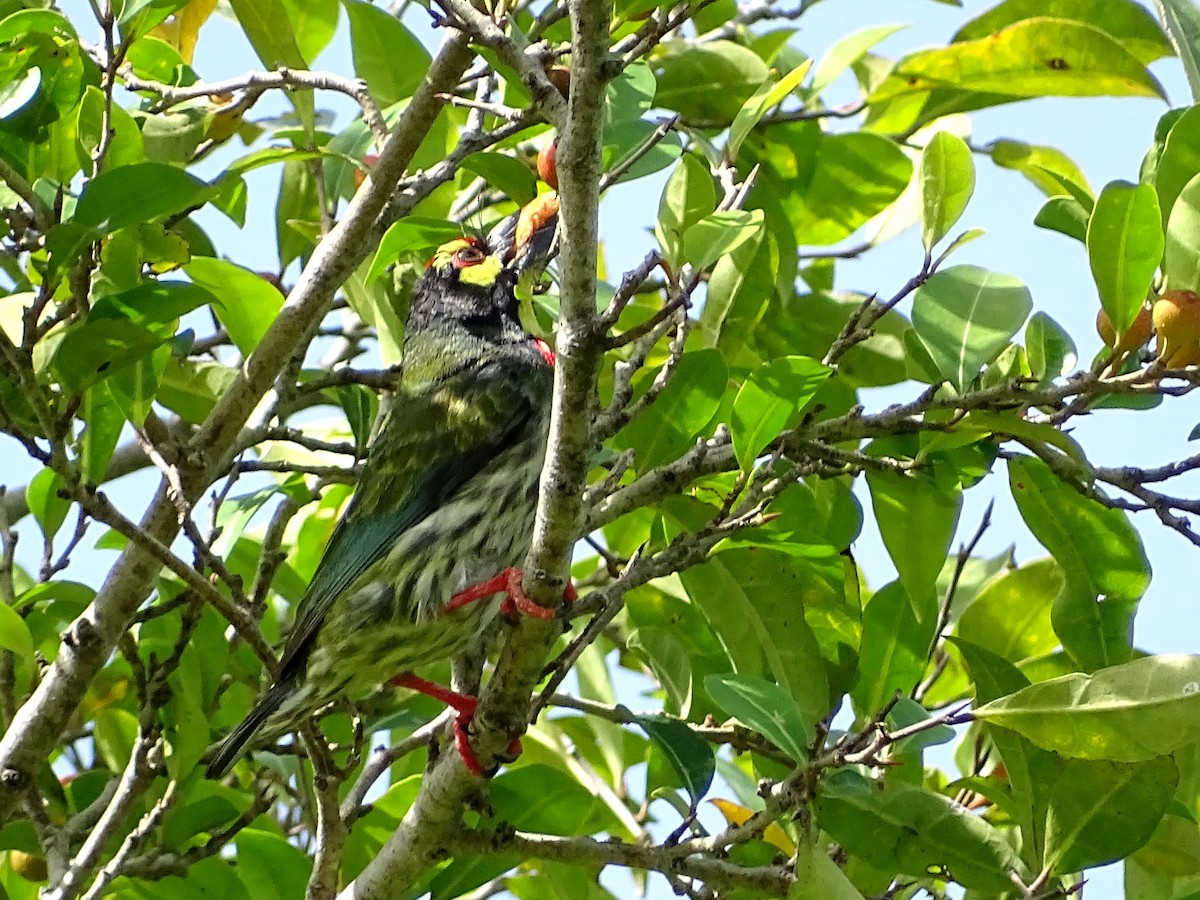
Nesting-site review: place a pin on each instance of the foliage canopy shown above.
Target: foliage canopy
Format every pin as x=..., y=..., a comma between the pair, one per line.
x=714, y=450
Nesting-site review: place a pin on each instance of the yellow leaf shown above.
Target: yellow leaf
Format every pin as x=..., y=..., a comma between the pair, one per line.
x=190, y=18
x=167, y=31
x=737, y=815
x=183, y=28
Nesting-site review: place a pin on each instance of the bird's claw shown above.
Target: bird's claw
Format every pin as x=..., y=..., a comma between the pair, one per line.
x=464, y=706
x=508, y=582
x=462, y=743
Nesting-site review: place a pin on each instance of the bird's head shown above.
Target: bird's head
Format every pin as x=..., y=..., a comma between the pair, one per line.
x=471, y=280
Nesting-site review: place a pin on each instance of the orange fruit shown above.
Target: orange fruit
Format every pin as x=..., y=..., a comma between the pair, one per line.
x=547, y=163
x=1176, y=316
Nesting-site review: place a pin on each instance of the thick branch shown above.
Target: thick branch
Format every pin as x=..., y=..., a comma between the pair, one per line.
x=435, y=817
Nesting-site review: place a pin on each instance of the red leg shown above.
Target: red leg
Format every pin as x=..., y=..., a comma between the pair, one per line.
x=508, y=582
x=462, y=704
x=497, y=584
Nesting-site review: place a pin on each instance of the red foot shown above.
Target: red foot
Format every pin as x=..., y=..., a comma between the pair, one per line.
x=544, y=349
x=462, y=704
x=508, y=582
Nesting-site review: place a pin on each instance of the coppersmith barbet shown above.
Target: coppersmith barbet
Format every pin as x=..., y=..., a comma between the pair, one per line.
x=416, y=567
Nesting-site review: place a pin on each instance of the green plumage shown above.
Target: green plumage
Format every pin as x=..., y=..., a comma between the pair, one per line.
x=446, y=500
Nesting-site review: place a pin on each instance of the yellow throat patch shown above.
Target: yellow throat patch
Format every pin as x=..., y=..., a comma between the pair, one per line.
x=481, y=272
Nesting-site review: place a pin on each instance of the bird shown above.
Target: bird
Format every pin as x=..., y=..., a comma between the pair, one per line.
x=444, y=510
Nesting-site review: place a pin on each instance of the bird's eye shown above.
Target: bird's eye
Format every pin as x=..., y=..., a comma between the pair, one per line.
x=469, y=256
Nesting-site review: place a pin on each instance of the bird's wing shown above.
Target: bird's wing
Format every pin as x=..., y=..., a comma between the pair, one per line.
x=436, y=438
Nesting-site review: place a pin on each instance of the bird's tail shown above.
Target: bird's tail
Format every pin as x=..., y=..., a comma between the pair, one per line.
x=230, y=750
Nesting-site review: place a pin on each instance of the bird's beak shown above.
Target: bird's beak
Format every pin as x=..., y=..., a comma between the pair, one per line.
x=528, y=239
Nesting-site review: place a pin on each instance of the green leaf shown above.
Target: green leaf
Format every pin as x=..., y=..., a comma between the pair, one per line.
x=270, y=32
x=1126, y=21
x=720, y=234
x=100, y=347
x=156, y=305
x=689, y=754
x=248, y=302
x=206, y=810
x=965, y=316
x=271, y=155
x=1125, y=247
x=829, y=185
x=116, y=731
x=907, y=829
x=769, y=399
x=463, y=874
x=1101, y=556
x=611, y=742
x=48, y=508
x=15, y=25
x=894, y=652
x=1182, y=19
x=1173, y=852
x=918, y=553
x=1049, y=348
x=131, y=195
x=270, y=866
x=191, y=389
x=1066, y=215
x=669, y=660
x=14, y=633
x=1101, y=811
x=361, y=406
x=314, y=22
x=681, y=411
x=1048, y=168
x=763, y=707
x=187, y=732
x=770, y=93
x=408, y=235
x=508, y=175
x=909, y=712
x=156, y=60
x=125, y=148
x=624, y=139
x=545, y=799
x=739, y=288
x=386, y=55
x=845, y=52
x=138, y=17
x=1179, y=160
x=235, y=514
x=296, y=213
x=755, y=600
x=1181, y=258
x=1029, y=768
x=630, y=95
x=1011, y=616
x=1033, y=57
x=378, y=306
x=819, y=878
x=103, y=419
x=171, y=138
x=947, y=177
x=1133, y=712
x=688, y=197
x=689, y=71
